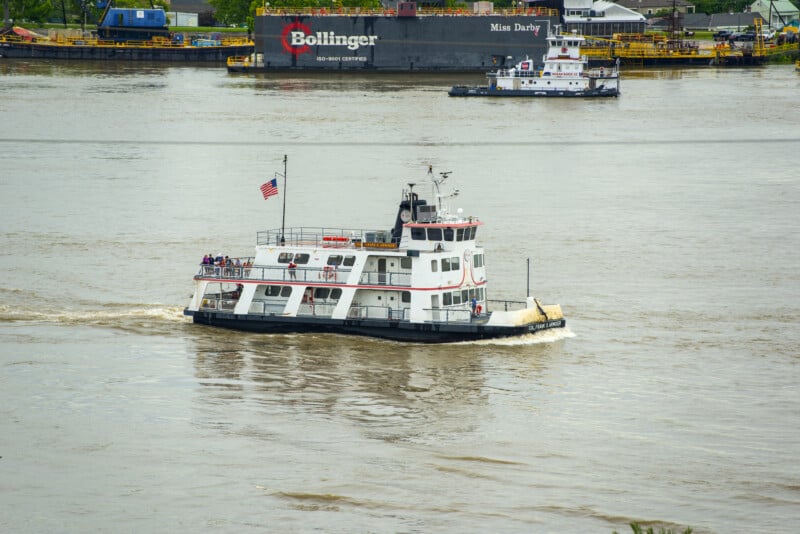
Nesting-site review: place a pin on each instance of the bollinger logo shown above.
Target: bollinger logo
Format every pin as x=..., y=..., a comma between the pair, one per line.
x=297, y=38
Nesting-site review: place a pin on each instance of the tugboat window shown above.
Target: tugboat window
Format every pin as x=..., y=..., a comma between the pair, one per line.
x=448, y=234
x=434, y=234
x=418, y=234
x=301, y=258
x=349, y=261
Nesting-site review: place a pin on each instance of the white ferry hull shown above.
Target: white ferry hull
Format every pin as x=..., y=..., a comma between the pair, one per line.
x=384, y=329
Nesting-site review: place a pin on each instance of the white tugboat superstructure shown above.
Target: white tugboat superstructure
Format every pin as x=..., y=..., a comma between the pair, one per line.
x=424, y=280
x=564, y=72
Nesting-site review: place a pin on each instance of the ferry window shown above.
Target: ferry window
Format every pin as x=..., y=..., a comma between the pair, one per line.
x=272, y=291
x=454, y=264
x=448, y=234
x=349, y=261
x=477, y=260
x=434, y=234
x=405, y=263
x=447, y=299
x=301, y=258
x=457, y=297
x=418, y=234
x=336, y=293
x=334, y=260
x=472, y=293
x=473, y=231
x=285, y=257
x=405, y=296
x=465, y=295
x=480, y=293
x=445, y=264
x=321, y=293
x=460, y=234
x=286, y=291
x=434, y=265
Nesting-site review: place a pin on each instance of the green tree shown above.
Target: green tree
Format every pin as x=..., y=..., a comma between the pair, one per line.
x=29, y=10
x=231, y=11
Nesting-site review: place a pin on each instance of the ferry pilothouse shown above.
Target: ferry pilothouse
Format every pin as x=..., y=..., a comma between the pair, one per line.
x=425, y=280
x=564, y=72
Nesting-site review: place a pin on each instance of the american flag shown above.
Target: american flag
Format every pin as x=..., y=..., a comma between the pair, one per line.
x=270, y=188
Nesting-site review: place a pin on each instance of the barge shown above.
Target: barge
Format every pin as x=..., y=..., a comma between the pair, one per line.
x=125, y=34
x=408, y=39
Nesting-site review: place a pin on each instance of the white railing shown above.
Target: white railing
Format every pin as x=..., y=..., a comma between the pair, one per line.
x=385, y=279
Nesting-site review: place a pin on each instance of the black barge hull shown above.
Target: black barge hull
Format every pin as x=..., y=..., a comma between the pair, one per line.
x=177, y=54
x=424, y=43
x=384, y=329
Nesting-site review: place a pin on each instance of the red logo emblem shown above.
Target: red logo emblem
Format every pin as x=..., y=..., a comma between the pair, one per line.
x=294, y=26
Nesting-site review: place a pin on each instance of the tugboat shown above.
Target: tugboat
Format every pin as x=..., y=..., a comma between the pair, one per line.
x=565, y=73
x=425, y=281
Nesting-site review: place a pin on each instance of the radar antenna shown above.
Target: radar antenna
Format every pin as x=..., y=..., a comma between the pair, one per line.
x=438, y=192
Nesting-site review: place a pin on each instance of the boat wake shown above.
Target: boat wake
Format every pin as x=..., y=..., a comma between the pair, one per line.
x=109, y=315
x=543, y=336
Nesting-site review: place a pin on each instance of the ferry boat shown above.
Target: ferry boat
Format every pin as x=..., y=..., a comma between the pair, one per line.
x=565, y=72
x=425, y=280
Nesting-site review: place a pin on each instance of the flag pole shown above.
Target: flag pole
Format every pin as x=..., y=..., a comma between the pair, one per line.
x=283, y=216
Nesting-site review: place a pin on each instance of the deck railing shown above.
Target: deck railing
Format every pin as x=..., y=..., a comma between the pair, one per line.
x=324, y=237
x=388, y=12
x=378, y=312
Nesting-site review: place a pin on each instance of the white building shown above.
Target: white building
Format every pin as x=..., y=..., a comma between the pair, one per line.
x=601, y=19
x=775, y=10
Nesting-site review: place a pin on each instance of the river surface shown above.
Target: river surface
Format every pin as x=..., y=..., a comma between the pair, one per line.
x=666, y=222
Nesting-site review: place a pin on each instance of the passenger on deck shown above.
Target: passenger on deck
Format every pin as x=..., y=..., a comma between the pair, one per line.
x=292, y=267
